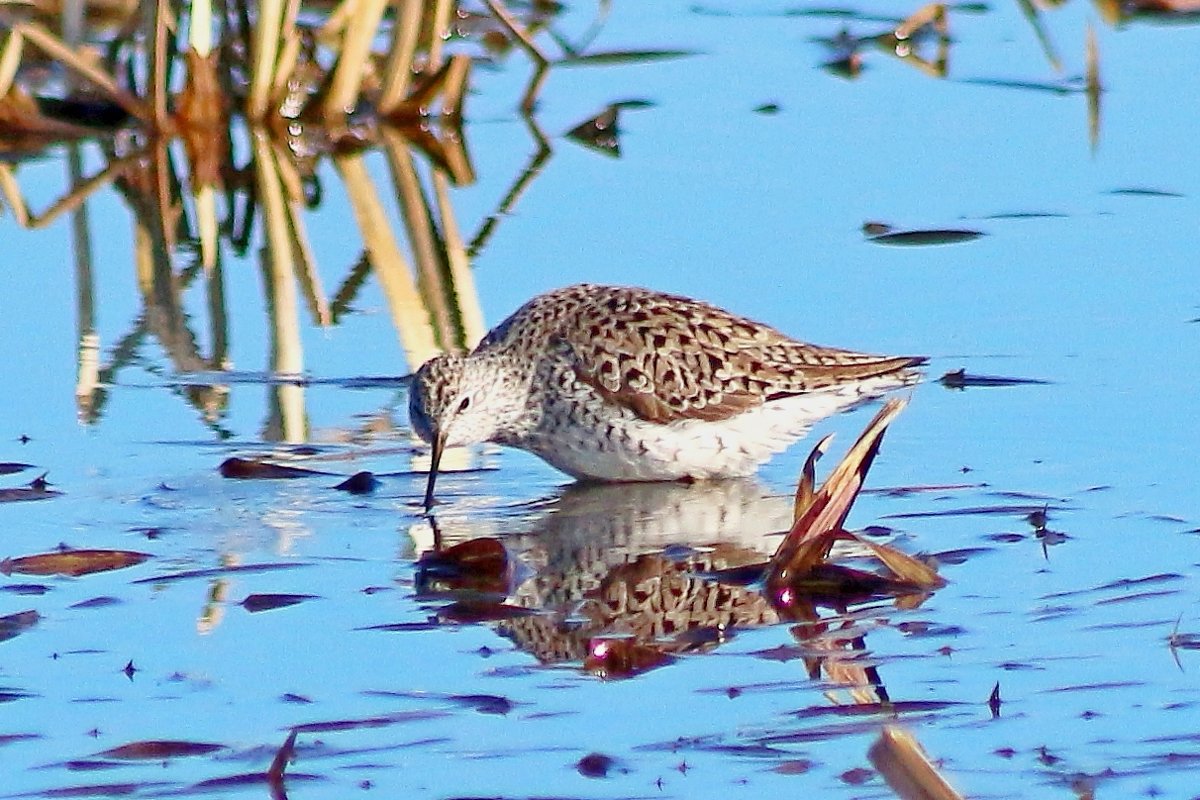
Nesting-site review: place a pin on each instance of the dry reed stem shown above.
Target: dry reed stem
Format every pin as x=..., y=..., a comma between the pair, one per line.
x=205, y=200
x=418, y=223
x=334, y=26
x=10, y=60
x=287, y=353
x=409, y=315
x=1092, y=85
x=12, y=194
x=289, y=55
x=462, y=278
x=522, y=37
x=200, y=26
x=355, y=51
x=398, y=70
x=899, y=758
x=264, y=52
x=158, y=65
x=439, y=29
x=80, y=192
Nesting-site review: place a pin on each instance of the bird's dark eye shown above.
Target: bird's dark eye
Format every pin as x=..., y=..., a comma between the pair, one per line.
x=464, y=404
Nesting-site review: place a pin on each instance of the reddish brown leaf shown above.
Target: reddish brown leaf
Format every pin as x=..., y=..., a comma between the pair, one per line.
x=254, y=469
x=475, y=566
x=72, y=562
x=158, y=749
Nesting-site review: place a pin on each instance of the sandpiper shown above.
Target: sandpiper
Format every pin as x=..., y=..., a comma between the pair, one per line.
x=615, y=383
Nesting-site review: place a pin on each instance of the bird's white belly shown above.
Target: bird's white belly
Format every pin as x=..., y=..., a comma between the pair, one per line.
x=623, y=447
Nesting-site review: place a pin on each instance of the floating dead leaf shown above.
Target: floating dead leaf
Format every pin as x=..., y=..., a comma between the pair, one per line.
x=363, y=482
x=380, y=721
x=625, y=56
x=159, y=749
x=13, y=625
x=255, y=469
x=214, y=572
x=36, y=489
x=926, y=238
x=476, y=566
x=72, y=562
x=267, y=602
x=903, y=764
x=799, y=566
x=1138, y=191
x=960, y=379
x=823, y=517
x=599, y=133
x=597, y=765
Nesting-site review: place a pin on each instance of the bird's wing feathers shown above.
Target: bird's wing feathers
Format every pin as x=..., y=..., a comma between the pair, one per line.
x=671, y=358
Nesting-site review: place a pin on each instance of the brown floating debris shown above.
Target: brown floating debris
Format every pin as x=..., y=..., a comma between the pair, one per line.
x=960, y=379
x=903, y=764
x=933, y=236
x=285, y=755
x=72, y=562
x=36, y=489
x=475, y=566
x=800, y=565
x=267, y=602
x=600, y=133
x=595, y=765
x=363, y=482
x=254, y=469
x=9, y=467
x=158, y=749
x=12, y=625
x=213, y=572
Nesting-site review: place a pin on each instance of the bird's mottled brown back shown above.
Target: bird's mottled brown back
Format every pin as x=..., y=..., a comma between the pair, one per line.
x=668, y=357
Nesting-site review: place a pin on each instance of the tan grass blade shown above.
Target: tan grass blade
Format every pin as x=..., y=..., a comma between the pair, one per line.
x=899, y=758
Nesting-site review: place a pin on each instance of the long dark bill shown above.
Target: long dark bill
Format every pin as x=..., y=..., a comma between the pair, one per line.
x=439, y=444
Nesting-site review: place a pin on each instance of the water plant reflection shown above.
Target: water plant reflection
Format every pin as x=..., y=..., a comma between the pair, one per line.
x=613, y=579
